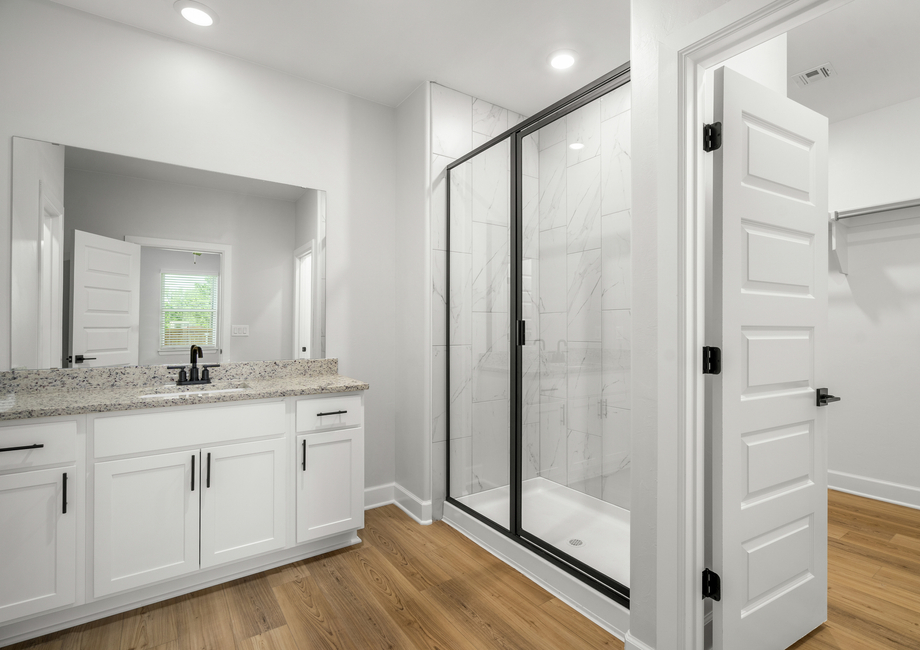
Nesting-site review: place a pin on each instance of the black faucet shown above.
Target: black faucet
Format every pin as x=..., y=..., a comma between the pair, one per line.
x=195, y=354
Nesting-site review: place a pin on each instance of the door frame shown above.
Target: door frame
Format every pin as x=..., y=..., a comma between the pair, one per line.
x=680, y=533
x=306, y=249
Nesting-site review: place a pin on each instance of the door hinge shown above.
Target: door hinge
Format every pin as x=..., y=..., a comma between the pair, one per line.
x=712, y=361
x=712, y=136
x=712, y=585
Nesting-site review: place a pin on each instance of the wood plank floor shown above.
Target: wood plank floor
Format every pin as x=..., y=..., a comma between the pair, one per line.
x=409, y=587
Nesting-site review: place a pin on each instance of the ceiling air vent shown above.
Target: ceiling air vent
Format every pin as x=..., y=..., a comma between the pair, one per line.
x=814, y=75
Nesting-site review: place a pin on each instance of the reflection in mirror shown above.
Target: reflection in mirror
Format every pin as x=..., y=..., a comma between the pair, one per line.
x=122, y=261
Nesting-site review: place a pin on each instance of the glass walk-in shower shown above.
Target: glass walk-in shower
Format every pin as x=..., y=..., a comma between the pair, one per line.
x=539, y=329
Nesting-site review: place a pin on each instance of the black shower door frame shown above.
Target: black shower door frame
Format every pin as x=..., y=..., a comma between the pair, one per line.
x=574, y=567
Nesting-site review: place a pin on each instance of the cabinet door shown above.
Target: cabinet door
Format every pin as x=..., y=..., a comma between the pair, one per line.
x=38, y=552
x=330, y=483
x=146, y=520
x=243, y=500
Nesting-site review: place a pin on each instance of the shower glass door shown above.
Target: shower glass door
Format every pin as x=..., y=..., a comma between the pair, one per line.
x=538, y=322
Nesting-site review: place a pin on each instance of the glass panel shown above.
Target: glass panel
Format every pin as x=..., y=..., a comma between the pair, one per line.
x=479, y=326
x=576, y=370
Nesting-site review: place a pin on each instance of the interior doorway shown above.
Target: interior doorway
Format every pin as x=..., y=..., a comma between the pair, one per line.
x=303, y=301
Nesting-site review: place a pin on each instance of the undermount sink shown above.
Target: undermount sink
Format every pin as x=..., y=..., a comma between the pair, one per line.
x=171, y=390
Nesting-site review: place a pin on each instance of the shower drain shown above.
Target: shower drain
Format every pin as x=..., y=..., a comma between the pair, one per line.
x=576, y=542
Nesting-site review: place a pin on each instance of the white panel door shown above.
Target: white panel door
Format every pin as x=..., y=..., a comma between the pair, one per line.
x=243, y=500
x=330, y=483
x=146, y=520
x=769, y=452
x=38, y=552
x=106, y=301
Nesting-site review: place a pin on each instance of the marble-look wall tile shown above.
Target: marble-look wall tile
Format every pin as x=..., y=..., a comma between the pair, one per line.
x=552, y=271
x=614, y=103
x=461, y=467
x=451, y=122
x=531, y=450
x=439, y=297
x=616, y=164
x=461, y=208
x=438, y=479
x=461, y=391
x=530, y=295
x=583, y=296
x=530, y=382
x=584, y=463
x=491, y=444
x=554, y=357
x=583, y=206
x=491, y=185
x=515, y=118
x=490, y=267
x=616, y=466
x=616, y=246
x=553, y=454
x=616, y=489
x=552, y=134
x=530, y=154
x=489, y=119
x=438, y=393
x=530, y=216
x=617, y=359
x=583, y=387
x=438, y=212
x=583, y=127
x=552, y=187
x=491, y=371
x=461, y=298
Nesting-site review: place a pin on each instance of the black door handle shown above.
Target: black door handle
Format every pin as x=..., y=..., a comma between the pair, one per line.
x=193, y=472
x=64, y=509
x=823, y=398
x=305, y=455
x=209, y=470
x=80, y=359
x=319, y=415
x=19, y=448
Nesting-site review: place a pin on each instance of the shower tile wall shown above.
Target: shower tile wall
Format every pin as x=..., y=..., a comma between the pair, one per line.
x=479, y=266
x=582, y=248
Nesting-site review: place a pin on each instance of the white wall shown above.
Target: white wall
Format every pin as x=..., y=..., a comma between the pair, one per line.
x=154, y=261
x=653, y=450
x=260, y=230
x=72, y=78
x=413, y=453
x=873, y=444
x=765, y=64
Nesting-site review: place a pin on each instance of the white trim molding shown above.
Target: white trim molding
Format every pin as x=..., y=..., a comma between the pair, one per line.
x=378, y=496
x=225, y=283
x=683, y=59
x=419, y=510
x=874, y=488
x=632, y=643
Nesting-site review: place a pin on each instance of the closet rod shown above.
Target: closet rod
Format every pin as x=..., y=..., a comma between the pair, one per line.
x=887, y=207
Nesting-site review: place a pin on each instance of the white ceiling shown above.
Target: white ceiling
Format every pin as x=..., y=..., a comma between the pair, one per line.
x=874, y=45
x=383, y=49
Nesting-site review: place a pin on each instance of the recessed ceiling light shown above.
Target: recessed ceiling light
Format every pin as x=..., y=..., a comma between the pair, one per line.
x=576, y=146
x=562, y=59
x=196, y=13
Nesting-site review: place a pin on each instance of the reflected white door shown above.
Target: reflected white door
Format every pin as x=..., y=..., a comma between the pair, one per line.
x=303, y=288
x=769, y=438
x=106, y=301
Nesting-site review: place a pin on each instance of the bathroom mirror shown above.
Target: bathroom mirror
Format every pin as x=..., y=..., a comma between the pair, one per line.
x=123, y=261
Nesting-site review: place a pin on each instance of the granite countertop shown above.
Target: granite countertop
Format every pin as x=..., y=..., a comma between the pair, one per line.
x=48, y=393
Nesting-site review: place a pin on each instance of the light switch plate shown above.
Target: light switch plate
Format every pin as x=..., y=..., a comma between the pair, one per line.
x=239, y=330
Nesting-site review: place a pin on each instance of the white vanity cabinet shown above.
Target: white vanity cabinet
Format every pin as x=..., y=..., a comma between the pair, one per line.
x=330, y=466
x=38, y=518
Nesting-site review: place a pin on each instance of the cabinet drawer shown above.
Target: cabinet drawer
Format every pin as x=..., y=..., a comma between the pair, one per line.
x=58, y=440
x=324, y=413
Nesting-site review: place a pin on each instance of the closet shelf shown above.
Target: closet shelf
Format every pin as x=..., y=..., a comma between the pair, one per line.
x=909, y=207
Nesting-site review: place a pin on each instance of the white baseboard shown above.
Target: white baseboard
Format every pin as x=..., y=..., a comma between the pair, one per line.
x=379, y=495
x=873, y=488
x=394, y=493
x=587, y=601
x=412, y=505
x=632, y=643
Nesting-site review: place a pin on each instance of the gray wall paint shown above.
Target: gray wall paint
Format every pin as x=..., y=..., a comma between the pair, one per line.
x=260, y=230
x=163, y=100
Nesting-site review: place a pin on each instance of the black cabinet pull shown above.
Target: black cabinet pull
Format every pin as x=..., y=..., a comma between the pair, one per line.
x=319, y=415
x=193, y=472
x=64, y=510
x=209, y=470
x=305, y=455
x=20, y=448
